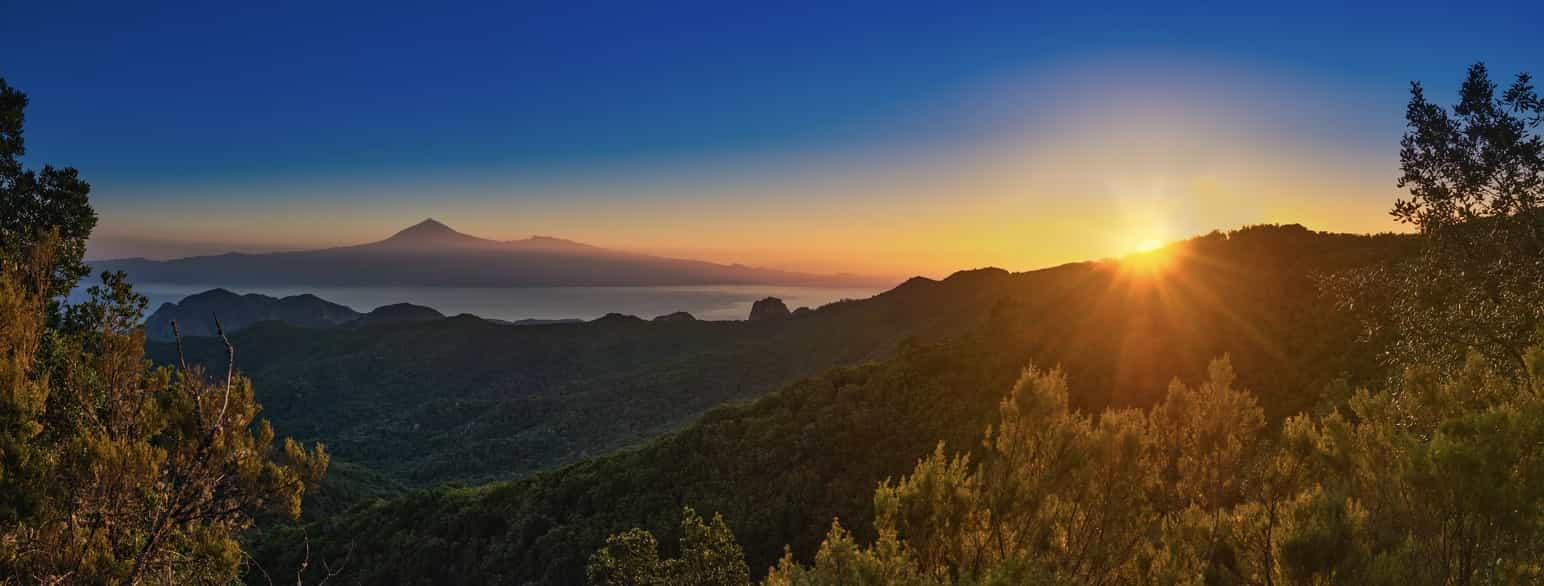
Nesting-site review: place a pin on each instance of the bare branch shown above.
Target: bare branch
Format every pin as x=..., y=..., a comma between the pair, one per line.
x=331, y=571
x=258, y=565
x=230, y=368
x=182, y=359
x=300, y=572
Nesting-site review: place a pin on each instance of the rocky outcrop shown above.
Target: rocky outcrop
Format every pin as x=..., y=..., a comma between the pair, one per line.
x=398, y=313
x=677, y=316
x=767, y=309
x=617, y=318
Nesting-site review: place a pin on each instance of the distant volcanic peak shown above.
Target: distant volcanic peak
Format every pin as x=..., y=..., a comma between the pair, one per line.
x=430, y=253
x=429, y=225
x=431, y=232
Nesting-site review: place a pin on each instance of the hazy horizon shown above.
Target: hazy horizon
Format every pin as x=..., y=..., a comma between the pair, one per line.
x=153, y=249
x=900, y=141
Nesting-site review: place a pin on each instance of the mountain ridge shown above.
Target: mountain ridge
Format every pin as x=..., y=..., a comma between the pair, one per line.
x=431, y=253
x=195, y=314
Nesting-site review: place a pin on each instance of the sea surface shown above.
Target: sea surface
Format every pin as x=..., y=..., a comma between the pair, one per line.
x=711, y=302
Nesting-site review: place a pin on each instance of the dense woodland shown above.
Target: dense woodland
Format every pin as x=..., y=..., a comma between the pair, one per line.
x=465, y=400
x=1267, y=405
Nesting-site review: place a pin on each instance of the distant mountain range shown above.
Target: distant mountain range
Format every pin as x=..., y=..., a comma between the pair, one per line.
x=432, y=254
x=196, y=313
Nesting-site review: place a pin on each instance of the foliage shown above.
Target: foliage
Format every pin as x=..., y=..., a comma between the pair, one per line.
x=1475, y=174
x=112, y=470
x=841, y=561
x=709, y=557
x=40, y=202
x=117, y=471
x=1438, y=481
x=1062, y=497
x=509, y=401
x=1482, y=161
x=776, y=468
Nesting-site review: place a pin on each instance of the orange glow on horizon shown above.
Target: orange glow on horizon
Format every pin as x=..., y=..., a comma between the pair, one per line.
x=1151, y=260
x=1094, y=170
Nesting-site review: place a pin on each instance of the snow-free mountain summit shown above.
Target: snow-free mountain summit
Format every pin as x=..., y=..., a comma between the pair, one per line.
x=430, y=253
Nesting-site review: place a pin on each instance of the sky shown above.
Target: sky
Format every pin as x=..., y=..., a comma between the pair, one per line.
x=892, y=138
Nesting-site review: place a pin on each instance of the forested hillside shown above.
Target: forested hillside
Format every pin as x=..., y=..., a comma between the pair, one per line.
x=779, y=469
x=463, y=399
x=195, y=314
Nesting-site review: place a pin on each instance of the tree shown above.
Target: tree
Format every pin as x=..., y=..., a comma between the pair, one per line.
x=1204, y=442
x=888, y=562
x=629, y=558
x=1438, y=480
x=112, y=470
x=1055, y=496
x=37, y=203
x=710, y=556
x=1475, y=175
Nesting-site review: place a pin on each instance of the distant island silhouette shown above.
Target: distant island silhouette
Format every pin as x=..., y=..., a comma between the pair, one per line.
x=430, y=253
x=195, y=314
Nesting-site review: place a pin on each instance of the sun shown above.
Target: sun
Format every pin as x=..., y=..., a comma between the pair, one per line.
x=1148, y=256
x=1147, y=245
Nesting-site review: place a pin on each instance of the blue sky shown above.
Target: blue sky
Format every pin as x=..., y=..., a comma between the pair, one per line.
x=208, y=126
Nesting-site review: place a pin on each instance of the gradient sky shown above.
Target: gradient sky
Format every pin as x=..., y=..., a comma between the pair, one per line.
x=888, y=137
